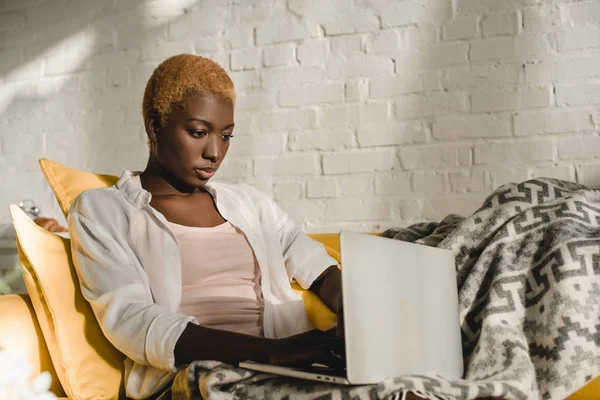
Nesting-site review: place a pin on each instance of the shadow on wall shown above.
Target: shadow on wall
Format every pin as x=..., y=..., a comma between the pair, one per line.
x=72, y=77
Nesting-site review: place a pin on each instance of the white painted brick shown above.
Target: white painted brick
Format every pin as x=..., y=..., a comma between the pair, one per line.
x=206, y=44
x=465, y=181
x=583, y=13
x=430, y=182
x=246, y=80
x=485, y=126
x=500, y=23
x=542, y=19
x=515, y=100
x=245, y=59
x=357, y=90
x=415, y=12
x=321, y=188
x=312, y=94
x=392, y=184
x=354, y=186
x=461, y=28
x=432, y=80
x=160, y=51
x=509, y=47
x=329, y=187
x=385, y=42
x=502, y=176
x=553, y=122
x=482, y=75
x=347, y=45
x=451, y=103
x=11, y=20
x=358, y=210
x=234, y=168
x=95, y=80
x=358, y=161
x=341, y=115
x=580, y=37
x=589, y=174
x=483, y=6
x=344, y=24
x=394, y=85
x=300, y=211
x=437, y=207
x=290, y=164
x=334, y=139
x=410, y=107
x=366, y=65
x=420, y=37
x=580, y=94
x=280, y=77
x=501, y=153
x=580, y=147
x=257, y=145
x=282, y=32
x=288, y=190
x=238, y=37
x=373, y=113
x=313, y=52
x=284, y=54
x=277, y=121
x=411, y=210
x=439, y=56
x=30, y=71
x=318, y=8
x=208, y=21
x=391, y=134
x=255, y=101
x=564, y=172
x=119, y=77
x=63, y=65
x=21, y=37
x=435, y=156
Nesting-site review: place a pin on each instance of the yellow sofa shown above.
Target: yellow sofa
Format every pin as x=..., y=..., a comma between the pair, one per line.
x=28, y=326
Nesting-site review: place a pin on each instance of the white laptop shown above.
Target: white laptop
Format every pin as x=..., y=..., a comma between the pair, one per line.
x=400, y=313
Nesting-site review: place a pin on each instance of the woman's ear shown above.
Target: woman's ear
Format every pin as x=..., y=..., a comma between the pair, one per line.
x=151, y=129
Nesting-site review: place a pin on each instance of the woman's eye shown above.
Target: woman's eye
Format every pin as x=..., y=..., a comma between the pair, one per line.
x=198, y=133
x=227, y=137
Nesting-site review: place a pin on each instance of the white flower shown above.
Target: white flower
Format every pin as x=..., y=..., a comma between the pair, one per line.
x=14, y=382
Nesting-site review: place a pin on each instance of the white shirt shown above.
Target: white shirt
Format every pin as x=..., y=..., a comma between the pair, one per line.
x=129, y=268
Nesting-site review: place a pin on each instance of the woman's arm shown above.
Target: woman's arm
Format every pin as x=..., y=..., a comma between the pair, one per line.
x=328, y=287
x=202, y=343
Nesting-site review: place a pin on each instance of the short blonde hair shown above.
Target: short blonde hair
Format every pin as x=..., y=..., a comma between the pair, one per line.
x=181, y=76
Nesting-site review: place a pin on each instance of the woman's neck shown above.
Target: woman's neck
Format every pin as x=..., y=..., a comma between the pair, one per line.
x=160, y=182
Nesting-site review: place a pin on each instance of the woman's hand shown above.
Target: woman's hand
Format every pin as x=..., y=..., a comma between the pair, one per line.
x=50, y=224
x=328, y=286
x=307, y=348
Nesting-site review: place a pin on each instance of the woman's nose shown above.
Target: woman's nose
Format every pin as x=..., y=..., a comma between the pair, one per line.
x=211, y=150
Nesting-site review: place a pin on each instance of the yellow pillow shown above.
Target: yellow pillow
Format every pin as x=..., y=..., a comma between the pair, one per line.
x=87, y=365
x=68, y=183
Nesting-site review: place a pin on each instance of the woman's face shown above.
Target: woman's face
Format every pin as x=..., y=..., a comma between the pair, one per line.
x=195, y=139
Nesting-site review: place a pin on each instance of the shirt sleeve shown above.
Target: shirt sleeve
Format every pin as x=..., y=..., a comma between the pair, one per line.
x=119, y=295
x=305, y=259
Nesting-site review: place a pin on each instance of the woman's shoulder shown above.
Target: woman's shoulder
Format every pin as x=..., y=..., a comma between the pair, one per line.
x=241, y=190
x=104, y=200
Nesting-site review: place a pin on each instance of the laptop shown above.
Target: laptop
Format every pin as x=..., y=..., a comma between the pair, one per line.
x=400, y=313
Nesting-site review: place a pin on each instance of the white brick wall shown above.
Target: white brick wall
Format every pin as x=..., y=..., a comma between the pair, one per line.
x=355, y=114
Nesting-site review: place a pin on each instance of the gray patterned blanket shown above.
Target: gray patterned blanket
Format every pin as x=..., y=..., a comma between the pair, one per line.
x=528, y=272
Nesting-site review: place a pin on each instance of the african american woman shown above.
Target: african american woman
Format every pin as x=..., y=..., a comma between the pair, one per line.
x=178, y=268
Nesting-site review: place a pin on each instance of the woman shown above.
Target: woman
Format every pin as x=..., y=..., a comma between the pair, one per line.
x=177, y=268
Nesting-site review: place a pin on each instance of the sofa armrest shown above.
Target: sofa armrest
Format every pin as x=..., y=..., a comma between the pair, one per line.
x=20, y=331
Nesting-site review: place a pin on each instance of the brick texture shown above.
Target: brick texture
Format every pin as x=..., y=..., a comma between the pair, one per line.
x=351, y=114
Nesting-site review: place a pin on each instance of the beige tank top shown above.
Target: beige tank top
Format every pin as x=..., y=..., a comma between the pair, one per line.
x=220, y=278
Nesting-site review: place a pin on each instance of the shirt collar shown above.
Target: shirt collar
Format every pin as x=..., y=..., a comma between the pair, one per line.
x=130, y=185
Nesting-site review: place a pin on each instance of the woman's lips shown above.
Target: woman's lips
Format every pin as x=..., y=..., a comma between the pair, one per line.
x=205, y=173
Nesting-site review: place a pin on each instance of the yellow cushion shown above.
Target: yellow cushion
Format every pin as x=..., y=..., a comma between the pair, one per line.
x=87, y=365
x=19, y=331
x=68, y=183
x=591, y=391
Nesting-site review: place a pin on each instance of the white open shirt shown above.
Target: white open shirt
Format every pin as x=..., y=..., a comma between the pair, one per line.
x=129, y=270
